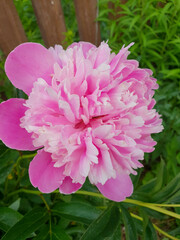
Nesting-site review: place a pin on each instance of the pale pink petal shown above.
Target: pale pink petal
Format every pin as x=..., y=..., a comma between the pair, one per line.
x=43, y=174
x=67, y=111
x=72, y=167
x=88, y=157
x=103, y=54
x=10, y=131
x=86, y=46
x=26, y=63
x=117, y=189
x=68, y=187
x=103, y=170
x=104, y=132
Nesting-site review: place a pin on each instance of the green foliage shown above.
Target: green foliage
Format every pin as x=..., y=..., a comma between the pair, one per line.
x=153, y=211
x=27, y=225
x=77, y=211
x=8, y=218
x=131, y=232
x=104, y=227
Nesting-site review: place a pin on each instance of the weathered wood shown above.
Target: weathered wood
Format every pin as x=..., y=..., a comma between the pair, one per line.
x=161, y=4
x=50, y=19
x=116, y=10
x=86, y=14
x=11, y=29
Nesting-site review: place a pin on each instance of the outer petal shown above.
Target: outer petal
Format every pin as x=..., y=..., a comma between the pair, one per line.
x=26, y=63
x=10, y=132
x=68, y=187
x=43, y=174
x=117, y=189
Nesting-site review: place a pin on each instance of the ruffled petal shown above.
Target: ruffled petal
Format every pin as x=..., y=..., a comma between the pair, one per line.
x=10, y=131
x=43, y=174
x=68, y=187
x=117, y=189
x=26, y=63
x=86, y=46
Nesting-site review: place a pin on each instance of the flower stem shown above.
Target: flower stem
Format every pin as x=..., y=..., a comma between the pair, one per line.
x=49, y=211
x=46, y=204
x=28, y=156
x=156, y=227
x=152, y=206
x=139, y=203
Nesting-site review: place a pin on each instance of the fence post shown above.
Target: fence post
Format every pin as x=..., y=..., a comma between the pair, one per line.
x=116, y=10
x=50, y=19
x=11, y=29
x=86, y=14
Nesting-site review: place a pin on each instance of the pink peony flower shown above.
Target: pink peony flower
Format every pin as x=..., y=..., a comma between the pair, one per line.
x=89, y=111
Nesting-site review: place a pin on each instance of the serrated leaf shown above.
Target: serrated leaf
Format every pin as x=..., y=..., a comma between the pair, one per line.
x=27, y=225
x=130, y=227
x=77, y=211
x=105, y=226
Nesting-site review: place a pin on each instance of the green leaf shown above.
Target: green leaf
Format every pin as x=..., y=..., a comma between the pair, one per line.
x=15, y=205
x=149, y=232
x=43, y=234
x=59, y=233
x=8, y=217
x=27, y=225
x=160, y=178
x=73, y=229
x=142, y=193
x=167, y=191
x=104, y=227
x=116, y=235
x=134, y=21
x=130, y=228
x=7, y=160
x=154, y=53
x=77, y=211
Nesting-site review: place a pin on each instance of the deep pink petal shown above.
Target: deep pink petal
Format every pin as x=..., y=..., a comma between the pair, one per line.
x=26, y=63
x=117, y=189
x=43, y=174
x=10, y=131
x=68, y=187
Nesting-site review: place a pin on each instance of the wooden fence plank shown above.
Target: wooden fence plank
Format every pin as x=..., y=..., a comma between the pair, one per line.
x=86, y=13
x=50, y=20
x=11, y=29
x=116, y=10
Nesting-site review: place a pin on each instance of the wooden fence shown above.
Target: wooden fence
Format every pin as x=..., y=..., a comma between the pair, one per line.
x=51, y=22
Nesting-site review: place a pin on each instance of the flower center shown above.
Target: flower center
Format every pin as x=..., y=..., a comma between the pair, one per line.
x=82, y=125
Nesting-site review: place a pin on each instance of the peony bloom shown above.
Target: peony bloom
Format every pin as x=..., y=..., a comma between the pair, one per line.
x=89, y=112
